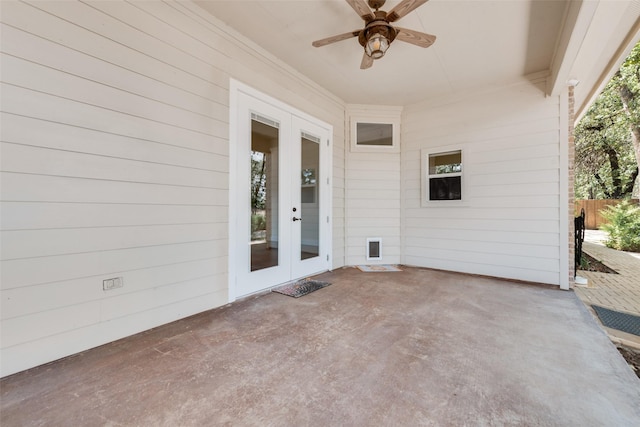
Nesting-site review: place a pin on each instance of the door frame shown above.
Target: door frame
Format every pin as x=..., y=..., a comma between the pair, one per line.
x=235, y=89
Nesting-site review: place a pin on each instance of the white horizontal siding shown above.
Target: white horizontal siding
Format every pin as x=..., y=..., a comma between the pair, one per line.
x=509, y=223
x=34, y=132
x=115, y=163
x=51, y=295
x=373, y=205
x=42, y=270
x=46, y=188
x=41, y=215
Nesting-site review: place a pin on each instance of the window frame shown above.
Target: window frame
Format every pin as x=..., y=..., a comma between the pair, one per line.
x=389, y=117
x=426, y=177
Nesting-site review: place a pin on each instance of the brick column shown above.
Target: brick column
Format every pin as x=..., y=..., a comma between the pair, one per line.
x=571, y=182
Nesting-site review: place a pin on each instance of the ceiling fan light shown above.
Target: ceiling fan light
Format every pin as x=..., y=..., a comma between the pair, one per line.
x=376, y=46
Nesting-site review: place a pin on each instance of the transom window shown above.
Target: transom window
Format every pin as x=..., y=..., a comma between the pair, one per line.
x=374, y=129
x=374, y=134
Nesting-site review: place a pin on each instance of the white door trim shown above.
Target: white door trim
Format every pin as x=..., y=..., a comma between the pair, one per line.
x=235, y=89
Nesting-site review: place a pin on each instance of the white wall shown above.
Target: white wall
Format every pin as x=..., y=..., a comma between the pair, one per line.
x=509, y=225
x=373, y=191
x=115, y=164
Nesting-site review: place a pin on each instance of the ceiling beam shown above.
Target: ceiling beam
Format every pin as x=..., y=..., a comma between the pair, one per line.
x=574, y=30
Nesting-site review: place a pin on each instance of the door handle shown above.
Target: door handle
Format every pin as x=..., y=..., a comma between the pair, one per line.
x=297, y=219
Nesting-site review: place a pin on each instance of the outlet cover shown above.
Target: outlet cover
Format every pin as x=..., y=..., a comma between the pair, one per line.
x=118, y=282
x=113, y=283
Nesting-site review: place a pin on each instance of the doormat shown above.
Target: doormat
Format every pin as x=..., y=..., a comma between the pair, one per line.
x=378, y=268
x=300, y=288
x=620, y=321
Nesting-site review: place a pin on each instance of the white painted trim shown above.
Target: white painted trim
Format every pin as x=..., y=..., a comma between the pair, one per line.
x=576, y=25
x=424, y=177
x=563, y=214
x=395, y=136
x=235, y=88
x=612, y=67
x=329, y=197
x=357, y=113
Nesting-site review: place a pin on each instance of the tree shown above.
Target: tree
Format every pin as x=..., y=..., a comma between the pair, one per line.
x=608, y=137
x=258, y=181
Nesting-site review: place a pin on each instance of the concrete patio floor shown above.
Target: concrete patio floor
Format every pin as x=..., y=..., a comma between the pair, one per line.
x=418, y=347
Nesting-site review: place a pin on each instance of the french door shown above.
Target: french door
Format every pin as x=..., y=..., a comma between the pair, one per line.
x=281, y=223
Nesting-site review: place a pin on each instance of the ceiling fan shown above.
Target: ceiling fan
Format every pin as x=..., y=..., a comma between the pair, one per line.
x=378, y=33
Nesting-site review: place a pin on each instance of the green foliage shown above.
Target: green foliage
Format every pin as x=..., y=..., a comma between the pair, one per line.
x=258, y=180
x=258, y=222
x=606, y=137
x=584, y=263
x=623, y=226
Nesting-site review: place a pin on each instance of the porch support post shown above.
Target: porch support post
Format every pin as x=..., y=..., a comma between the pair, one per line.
x=567, y=197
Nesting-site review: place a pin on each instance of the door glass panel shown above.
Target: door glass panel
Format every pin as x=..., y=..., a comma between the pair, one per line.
x=264, y=194
x=310, y=197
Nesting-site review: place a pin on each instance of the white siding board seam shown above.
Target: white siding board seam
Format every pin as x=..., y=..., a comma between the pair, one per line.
x=214, y=252
x=525, y=259
x=102, y=107
x=114, y=203
x=100, y=320
x=114, y=180
x=87, y=28
x=114, y=272
x=168, y=224
x=33, y=103
x=50, y=53
x=119, y=293
x=110, y=133
x=111, y=249
x=106, y=156
x=487, y=134
x=106, y=85
x=213, y=64
x=102, y=60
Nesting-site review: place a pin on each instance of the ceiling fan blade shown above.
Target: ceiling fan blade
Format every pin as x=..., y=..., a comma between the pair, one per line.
x=362, y=9
x=333, y=39
x=415, y=37
x=402, y=8
x=367, y=62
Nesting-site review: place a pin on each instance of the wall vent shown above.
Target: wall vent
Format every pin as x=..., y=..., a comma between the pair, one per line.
x=374, y=248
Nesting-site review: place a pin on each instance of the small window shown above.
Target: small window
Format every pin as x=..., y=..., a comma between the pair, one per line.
x=374, y=134
x=445, y=176
x=375, y=130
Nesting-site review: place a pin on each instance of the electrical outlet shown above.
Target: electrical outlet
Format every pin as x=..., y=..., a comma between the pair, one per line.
x=114, y=283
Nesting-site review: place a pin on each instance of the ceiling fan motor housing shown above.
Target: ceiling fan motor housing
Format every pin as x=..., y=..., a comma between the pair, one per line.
x=377, y=26
x=376, y=4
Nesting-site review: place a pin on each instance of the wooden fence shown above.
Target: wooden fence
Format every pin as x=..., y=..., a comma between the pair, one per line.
x=592, y=209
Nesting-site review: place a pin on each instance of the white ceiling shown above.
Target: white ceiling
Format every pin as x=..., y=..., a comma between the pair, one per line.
x=480, y=43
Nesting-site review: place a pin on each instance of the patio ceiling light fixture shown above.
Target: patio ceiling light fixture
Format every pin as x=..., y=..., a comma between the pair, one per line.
x=378, y=41
x=378, y=33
